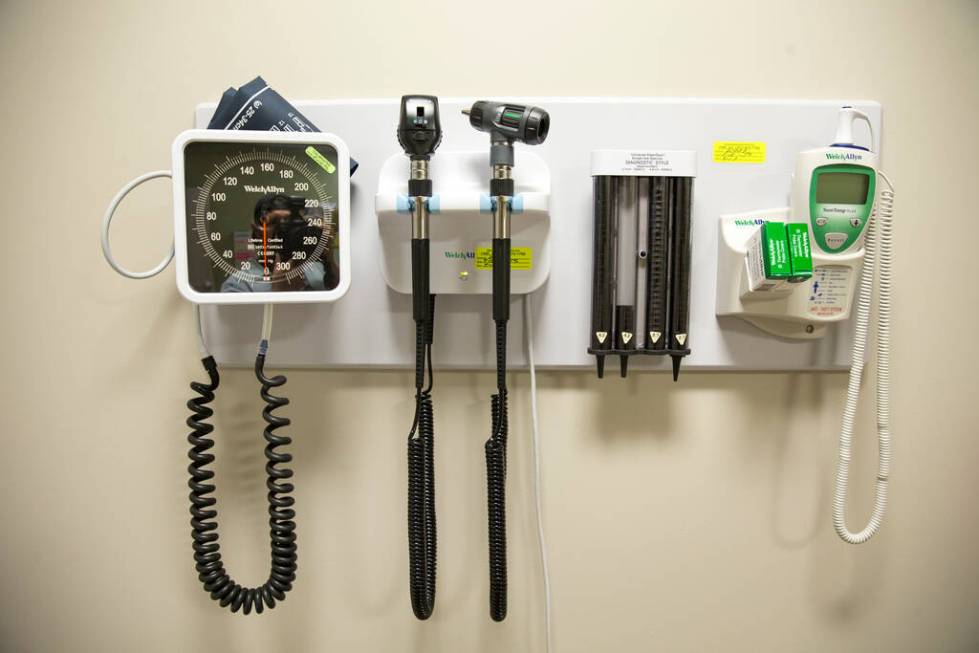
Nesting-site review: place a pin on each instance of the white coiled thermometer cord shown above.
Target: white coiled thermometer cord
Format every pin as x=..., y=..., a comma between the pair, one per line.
x=877, y=251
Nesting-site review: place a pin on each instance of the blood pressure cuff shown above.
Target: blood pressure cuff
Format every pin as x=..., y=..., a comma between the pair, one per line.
x=257, y=107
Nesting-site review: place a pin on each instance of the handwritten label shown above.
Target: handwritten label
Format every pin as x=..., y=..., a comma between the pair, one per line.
x=738, y=152
x=521, y=258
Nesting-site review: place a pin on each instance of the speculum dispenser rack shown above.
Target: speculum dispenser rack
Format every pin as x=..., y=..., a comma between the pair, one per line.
x=641, y=261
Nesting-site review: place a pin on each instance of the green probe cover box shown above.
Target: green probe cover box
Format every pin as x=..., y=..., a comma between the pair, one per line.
x=800, y=255
x=775, y=250
x=778, y=254
x=768, y=258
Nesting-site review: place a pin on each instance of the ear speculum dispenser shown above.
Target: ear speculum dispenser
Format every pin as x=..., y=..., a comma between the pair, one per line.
x=641, y=256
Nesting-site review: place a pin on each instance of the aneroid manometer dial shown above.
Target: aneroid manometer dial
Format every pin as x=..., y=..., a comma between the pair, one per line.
x=261, y=216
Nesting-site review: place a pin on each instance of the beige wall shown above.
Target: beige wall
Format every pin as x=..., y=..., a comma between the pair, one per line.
x=690, y=517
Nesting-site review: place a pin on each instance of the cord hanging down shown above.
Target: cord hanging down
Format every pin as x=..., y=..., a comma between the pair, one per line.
x=538, y=500
x=878, y=247
x=422, y=535
x=282, y=527
x=496, y=450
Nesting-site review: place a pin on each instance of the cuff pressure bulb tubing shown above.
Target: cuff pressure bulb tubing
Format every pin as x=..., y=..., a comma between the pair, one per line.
x=204, y=525
x=505, y=124
x=419, y=133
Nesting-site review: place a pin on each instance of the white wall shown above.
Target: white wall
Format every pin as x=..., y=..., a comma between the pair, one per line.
x=689, y=517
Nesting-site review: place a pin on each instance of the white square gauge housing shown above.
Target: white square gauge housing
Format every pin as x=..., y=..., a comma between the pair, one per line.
x=261, y=217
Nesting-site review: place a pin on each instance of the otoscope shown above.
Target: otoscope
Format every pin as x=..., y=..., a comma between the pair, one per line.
x=419, y=133
x=505, y=123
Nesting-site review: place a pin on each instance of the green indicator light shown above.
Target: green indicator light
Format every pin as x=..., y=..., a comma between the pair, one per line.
x=323, y=162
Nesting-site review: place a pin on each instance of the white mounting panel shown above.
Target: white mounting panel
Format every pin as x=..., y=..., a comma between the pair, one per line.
x=372, y=326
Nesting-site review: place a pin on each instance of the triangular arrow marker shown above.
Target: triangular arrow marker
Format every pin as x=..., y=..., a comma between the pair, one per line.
x=654, y=336
x=601, y=335
x=626, y=337
x=681, y=338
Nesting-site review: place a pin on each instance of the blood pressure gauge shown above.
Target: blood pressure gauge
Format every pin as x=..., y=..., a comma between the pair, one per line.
x=261, y=217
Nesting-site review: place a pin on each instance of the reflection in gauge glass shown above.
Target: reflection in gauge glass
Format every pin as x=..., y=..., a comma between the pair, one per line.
x=261, y=217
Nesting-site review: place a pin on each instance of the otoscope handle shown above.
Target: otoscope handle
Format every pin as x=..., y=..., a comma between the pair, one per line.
x=501, y=279
x=420, y=279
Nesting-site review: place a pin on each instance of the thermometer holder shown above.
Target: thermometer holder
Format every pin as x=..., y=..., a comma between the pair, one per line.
x=800, y=311
x=803, y=311
x=461, y=240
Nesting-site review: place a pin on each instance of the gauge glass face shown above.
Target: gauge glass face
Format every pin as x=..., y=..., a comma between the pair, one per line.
x=261, y=217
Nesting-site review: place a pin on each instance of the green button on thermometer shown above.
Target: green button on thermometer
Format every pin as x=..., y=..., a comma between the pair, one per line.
x=835, y=187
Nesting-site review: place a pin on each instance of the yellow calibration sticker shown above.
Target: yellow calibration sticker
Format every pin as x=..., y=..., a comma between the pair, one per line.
x=521, y=258
x=323, y=162
x=739, y=152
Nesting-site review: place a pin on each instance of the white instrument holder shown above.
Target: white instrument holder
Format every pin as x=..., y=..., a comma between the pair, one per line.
x=461, y=223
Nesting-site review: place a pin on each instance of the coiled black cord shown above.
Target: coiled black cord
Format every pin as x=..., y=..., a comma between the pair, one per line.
x=422, y=542
x=496, y=483
x=210, y=568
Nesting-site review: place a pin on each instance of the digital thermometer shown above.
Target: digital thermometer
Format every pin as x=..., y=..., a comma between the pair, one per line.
x=261, y=217
x=834, y=189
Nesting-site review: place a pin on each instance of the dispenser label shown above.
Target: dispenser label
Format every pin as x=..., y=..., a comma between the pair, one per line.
x=521, y=258
x=739, y=152
x=644, y=163
x=829, y=294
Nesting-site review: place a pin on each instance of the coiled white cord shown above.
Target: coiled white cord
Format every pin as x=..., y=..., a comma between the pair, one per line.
x=107, y=222
x=529, y=340
x=267, y=312
x=877, y=243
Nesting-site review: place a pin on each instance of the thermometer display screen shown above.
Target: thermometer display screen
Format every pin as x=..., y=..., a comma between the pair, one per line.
x=261, y=217
x=842, y=188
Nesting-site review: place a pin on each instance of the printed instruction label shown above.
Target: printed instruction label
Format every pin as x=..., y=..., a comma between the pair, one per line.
x=739, y=152
x=521, y=258
x=829, y=290
x=644, y=163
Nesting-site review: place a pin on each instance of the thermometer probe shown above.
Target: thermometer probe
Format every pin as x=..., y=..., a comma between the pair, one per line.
x=505, y=124
x=419, y=133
